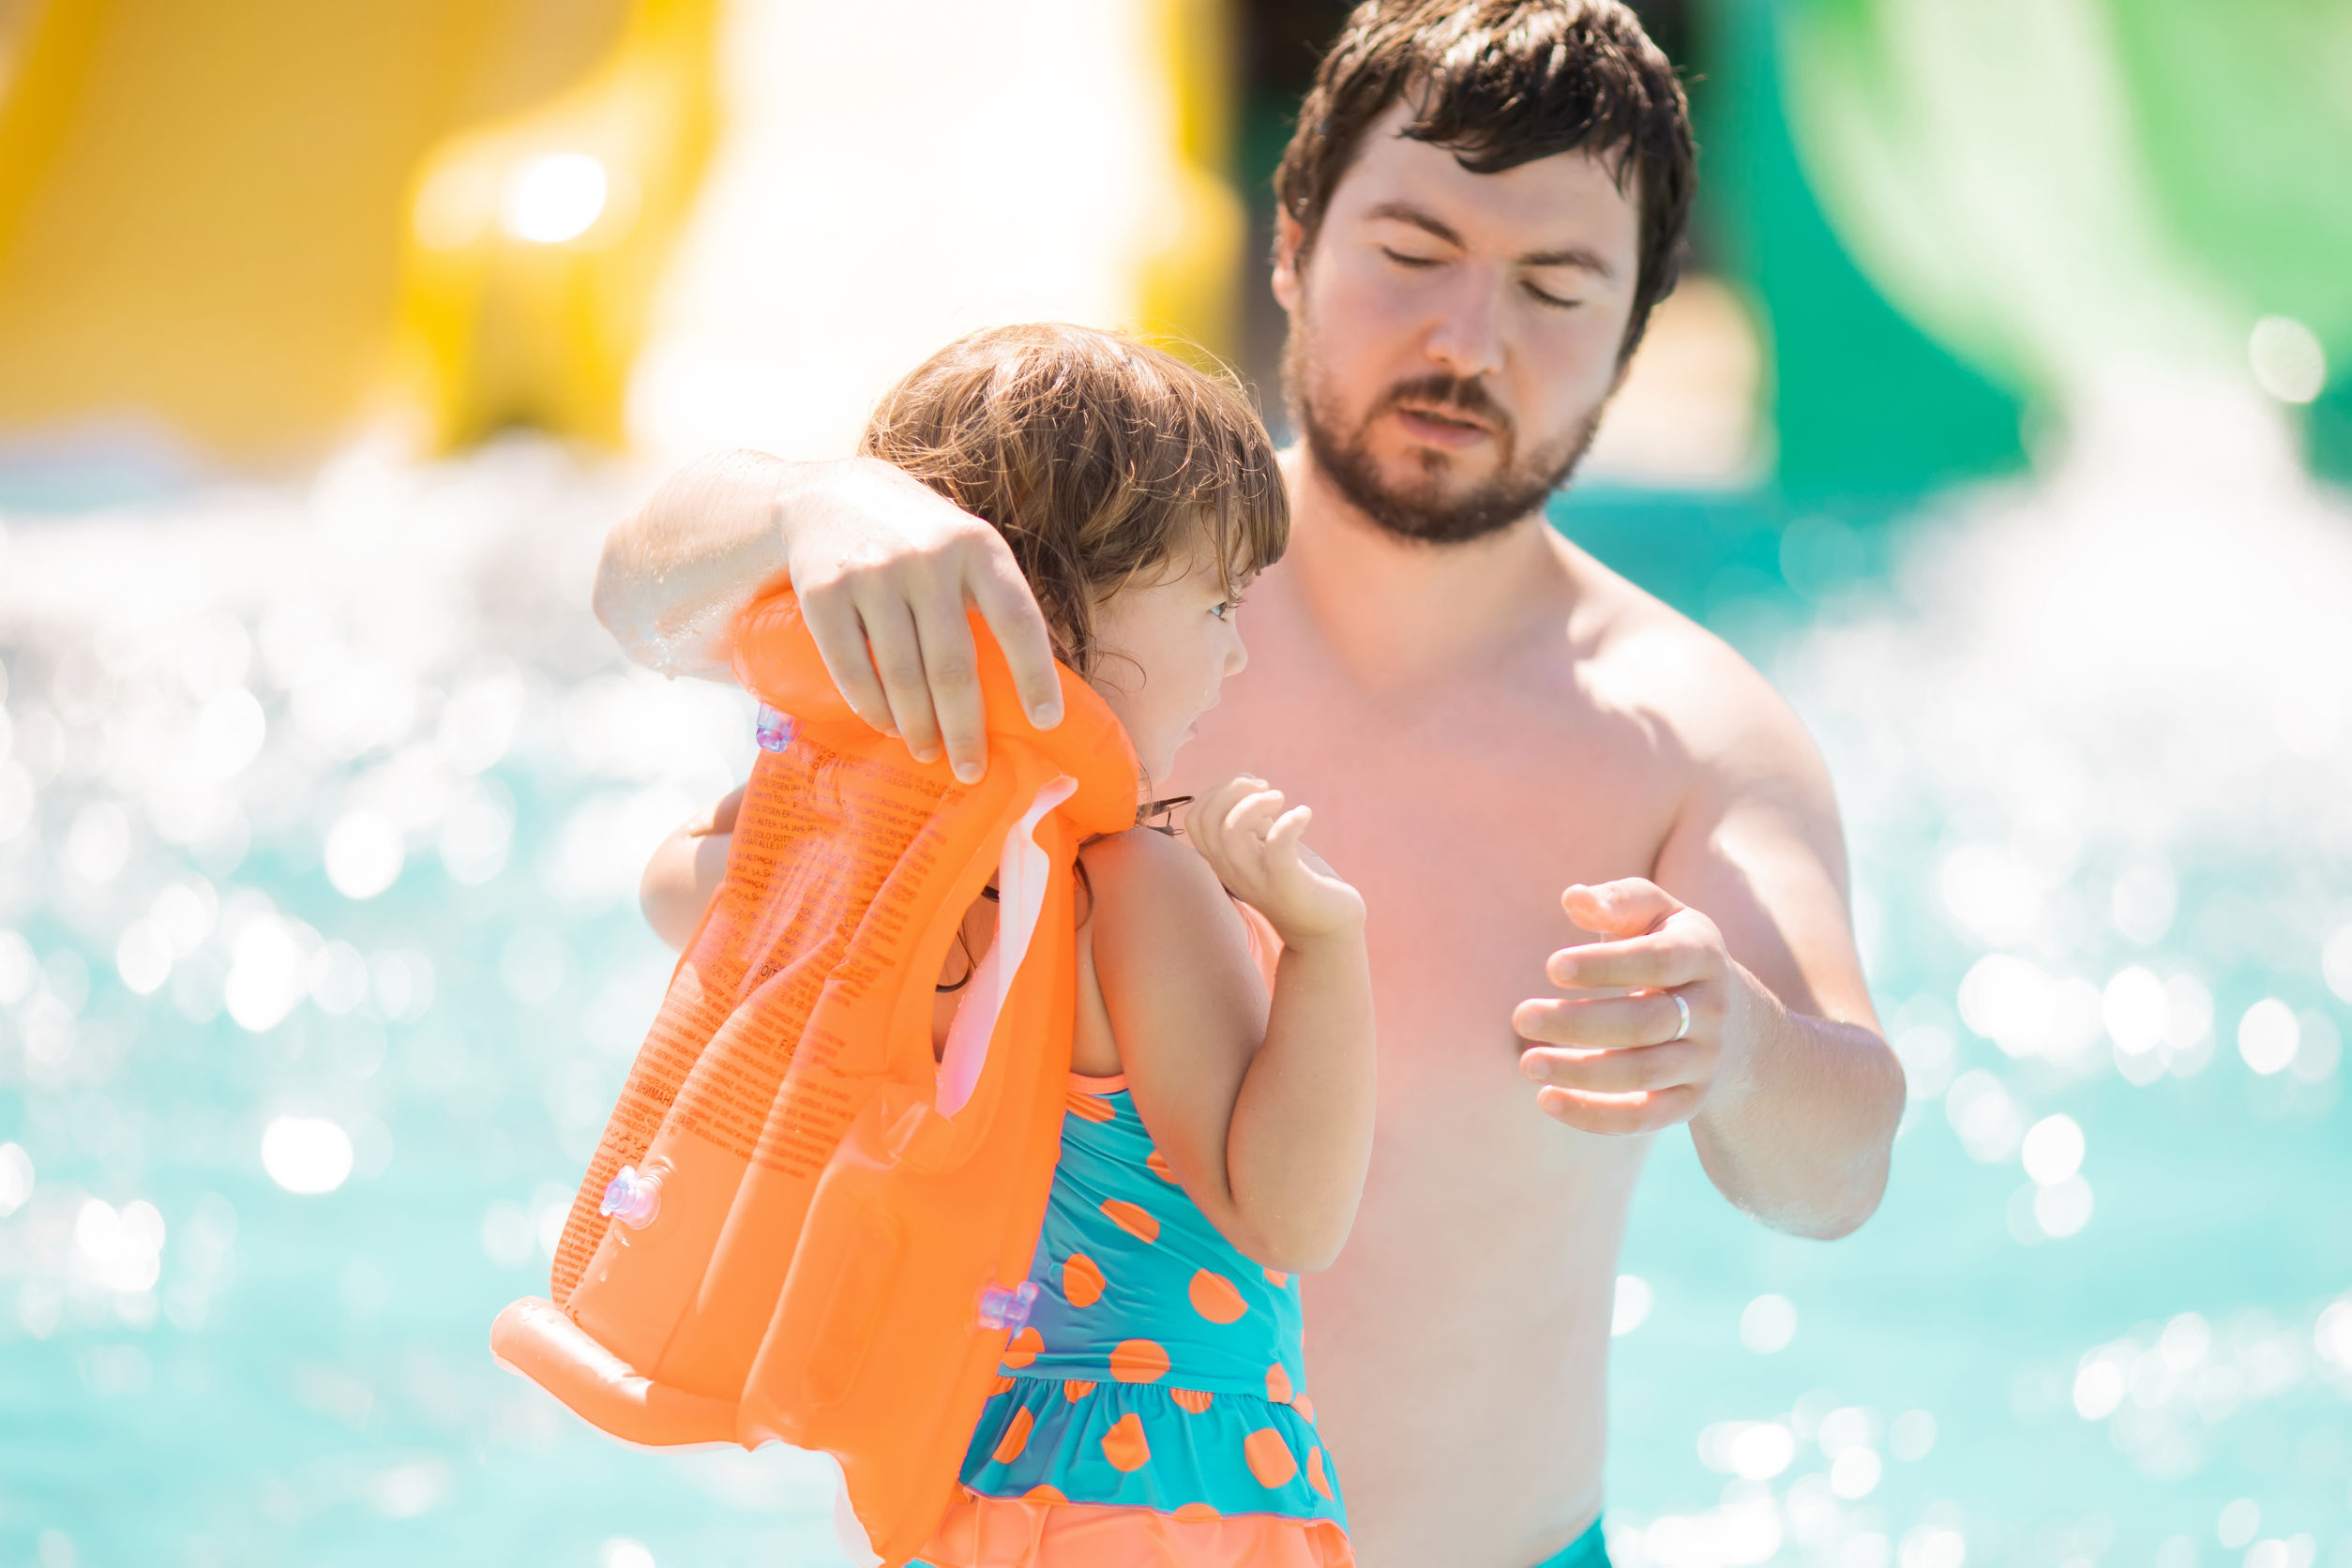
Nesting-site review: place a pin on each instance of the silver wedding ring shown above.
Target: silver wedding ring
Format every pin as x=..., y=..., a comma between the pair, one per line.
x=1683, y=1029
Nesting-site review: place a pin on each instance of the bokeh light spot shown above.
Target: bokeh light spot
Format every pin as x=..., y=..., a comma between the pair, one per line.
x=551, y=199
x=16, y=1178
x=306, y=1153
x=2287, y=361
x=1911, y=1436
x=1768, y=1324
x=2267, y=1034
x=2063, y=1208
x=364, y=853
x=2053, y=1150
x=1631, y=1308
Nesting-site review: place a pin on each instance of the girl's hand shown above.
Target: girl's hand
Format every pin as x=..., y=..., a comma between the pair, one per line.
x=1257, y=850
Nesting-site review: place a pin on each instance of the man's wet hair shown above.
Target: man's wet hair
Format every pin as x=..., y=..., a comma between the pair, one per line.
x=1499, y=83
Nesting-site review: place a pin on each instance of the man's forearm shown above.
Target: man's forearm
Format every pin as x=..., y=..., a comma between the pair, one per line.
x=1800, y=1132
x=676, y=574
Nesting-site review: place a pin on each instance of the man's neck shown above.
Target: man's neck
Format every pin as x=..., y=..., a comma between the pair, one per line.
x=1399, y=612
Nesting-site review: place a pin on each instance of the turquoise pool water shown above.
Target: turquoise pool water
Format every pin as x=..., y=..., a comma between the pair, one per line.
x=320, y=813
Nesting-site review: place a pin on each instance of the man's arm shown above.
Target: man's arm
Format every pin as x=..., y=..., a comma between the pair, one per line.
x=886, y=569
x=1791, y=1093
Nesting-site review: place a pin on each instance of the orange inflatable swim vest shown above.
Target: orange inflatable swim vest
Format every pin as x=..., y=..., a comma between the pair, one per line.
x=799, y=1224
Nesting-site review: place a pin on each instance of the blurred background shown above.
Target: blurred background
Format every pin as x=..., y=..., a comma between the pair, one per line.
x=2002, y=419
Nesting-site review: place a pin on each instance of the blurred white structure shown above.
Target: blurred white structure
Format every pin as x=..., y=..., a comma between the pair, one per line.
x=892, y=174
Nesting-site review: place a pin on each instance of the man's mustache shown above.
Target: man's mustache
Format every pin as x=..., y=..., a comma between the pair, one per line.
x=1466, y=395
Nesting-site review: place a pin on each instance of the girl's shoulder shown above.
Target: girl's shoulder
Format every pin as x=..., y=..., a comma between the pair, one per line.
x=1153, y=888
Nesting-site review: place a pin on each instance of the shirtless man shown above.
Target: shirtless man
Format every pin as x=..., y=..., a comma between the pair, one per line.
x=1475, y=226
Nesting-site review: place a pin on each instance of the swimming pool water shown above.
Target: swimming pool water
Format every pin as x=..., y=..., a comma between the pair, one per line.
x=321, y=809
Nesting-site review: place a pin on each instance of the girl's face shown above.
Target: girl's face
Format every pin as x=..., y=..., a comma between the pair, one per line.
x=1166, y=648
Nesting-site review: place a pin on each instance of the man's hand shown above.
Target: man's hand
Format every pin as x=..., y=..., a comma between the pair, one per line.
x=884, y=567
x=1611, y=1061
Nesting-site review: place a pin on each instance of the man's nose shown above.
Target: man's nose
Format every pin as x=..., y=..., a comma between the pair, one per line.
x=1467, y=337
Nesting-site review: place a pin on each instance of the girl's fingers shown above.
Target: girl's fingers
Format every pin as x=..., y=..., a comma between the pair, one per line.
x=1282, y=839
x=1253, y=813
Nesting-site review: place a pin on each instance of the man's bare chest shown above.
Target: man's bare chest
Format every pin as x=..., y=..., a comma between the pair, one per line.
x=1460, y=816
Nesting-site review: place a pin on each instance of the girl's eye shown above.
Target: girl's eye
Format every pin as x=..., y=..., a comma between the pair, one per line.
x=1225, y=607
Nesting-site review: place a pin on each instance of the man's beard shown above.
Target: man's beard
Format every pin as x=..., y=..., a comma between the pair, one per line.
x=1422, y=510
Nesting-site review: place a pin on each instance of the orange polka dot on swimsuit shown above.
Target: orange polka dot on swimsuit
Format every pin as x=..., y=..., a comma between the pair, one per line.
x=1156, y=1163
x=1139, y=1360
x=1192, y=1512
x=1278, y=1385
x=1315, y=1471
x=1082, y=1282
x=1008, y=1447
x=1193, y=1399
x=1076, y=1389
x=1124, y=1444
x=1215, y=1298
x=1024, y=1348
x=1093, y=1107
x=1270, y=1458
x=1276, y=1278
x=1135, y=1219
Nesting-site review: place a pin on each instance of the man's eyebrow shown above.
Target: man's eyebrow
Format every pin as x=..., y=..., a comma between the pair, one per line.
x=1405, y=212
x=1572, y=255
x=1575, y=256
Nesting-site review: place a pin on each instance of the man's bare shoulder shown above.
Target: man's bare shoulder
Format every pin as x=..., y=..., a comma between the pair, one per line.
x=1706, y=703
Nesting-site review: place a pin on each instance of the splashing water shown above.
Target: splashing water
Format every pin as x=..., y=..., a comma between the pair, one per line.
x=2093, y=742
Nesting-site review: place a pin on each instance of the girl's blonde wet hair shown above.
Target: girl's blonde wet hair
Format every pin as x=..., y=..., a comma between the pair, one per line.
x=1100, y=460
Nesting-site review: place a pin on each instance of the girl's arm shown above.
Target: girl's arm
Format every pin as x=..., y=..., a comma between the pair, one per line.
x=1263, y=1110
x=685, y=872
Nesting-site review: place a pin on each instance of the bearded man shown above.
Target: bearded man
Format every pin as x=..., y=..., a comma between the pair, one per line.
x=1482, y=203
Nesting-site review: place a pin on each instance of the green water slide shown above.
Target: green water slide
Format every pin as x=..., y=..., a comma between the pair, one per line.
x=2051, y=188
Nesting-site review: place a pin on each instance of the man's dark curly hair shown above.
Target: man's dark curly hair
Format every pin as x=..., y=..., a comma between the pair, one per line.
x=1499, y=83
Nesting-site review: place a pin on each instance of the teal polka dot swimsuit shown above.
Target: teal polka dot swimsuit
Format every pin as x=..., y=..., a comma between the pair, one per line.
x=1160, y=1368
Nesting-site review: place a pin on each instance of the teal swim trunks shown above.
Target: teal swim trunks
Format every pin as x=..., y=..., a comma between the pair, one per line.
x=1588, y=1550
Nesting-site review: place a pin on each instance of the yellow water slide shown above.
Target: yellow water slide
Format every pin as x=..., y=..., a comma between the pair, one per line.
x=242, y=224
x=206, y=207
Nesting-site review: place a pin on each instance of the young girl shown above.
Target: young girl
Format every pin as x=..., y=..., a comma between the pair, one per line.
x=1155, y=1407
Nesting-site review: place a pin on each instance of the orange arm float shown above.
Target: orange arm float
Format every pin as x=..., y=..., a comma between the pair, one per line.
x=798, y=1226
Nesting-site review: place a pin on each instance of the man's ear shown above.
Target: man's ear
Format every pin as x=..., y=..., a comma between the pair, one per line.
x=1288, y=236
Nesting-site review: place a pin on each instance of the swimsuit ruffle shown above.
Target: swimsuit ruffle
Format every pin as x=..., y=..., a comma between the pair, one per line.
x=1147, y=1446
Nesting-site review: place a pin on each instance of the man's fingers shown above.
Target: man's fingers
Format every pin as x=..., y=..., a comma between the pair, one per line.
x=1603, y=1023
x=951, y=673
x=1618, y=1115
x=1001, y=596
x=899, y=660
x=1651, y=962
x=1625, y=908
x=1289, y=827
x=1615, y=1072
x=840, y=637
